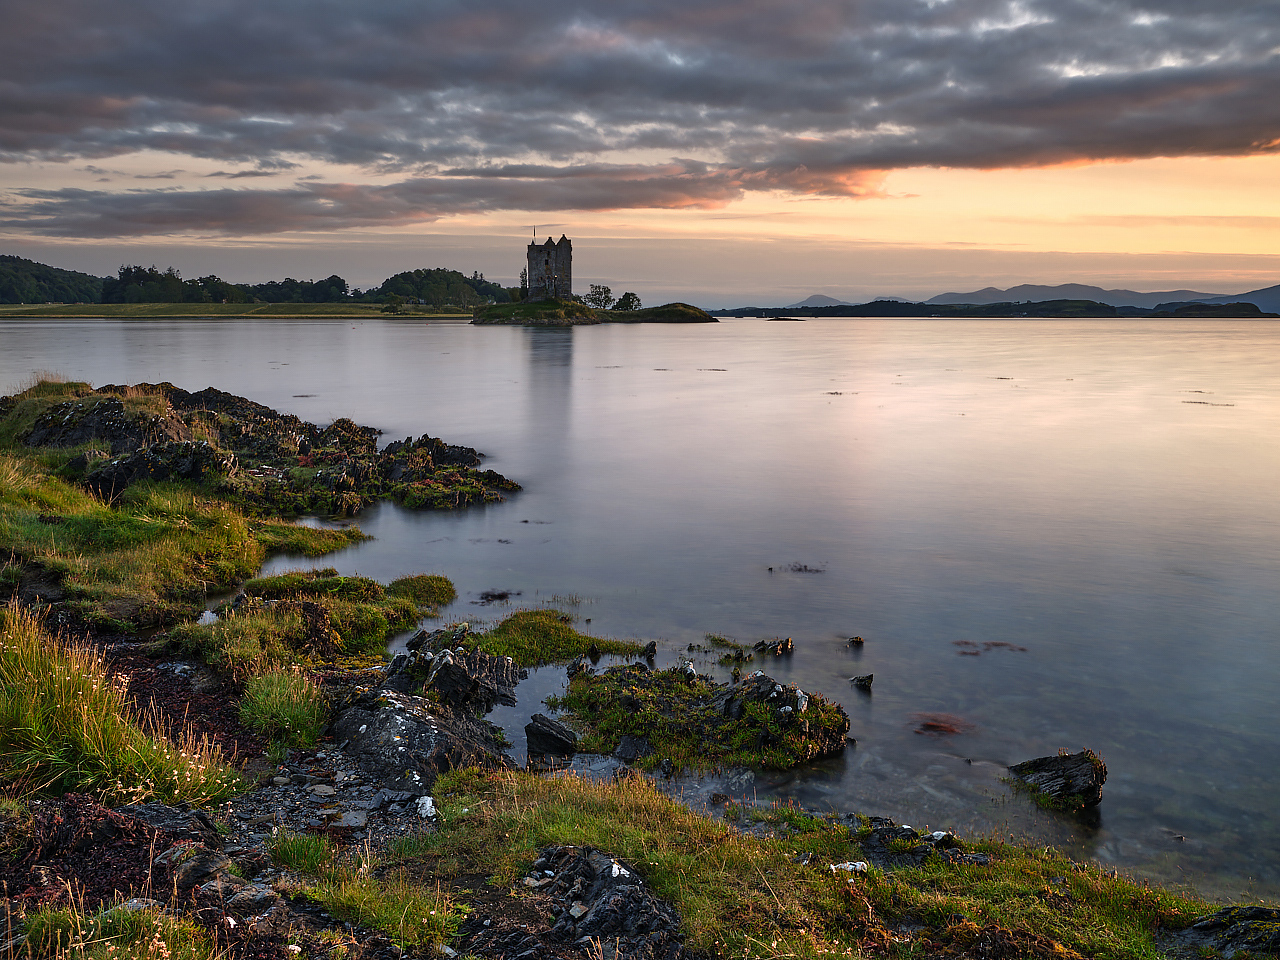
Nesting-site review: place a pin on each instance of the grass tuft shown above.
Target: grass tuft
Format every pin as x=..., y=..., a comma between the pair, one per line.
x=534, y=637
x=65, y=726
x=115, y=933
x=285, y=707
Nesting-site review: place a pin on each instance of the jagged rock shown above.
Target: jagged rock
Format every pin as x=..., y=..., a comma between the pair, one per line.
x=630, y=749
x=886, y=845
x=192, y=865
x=599, y=903
x=651, y=649
x=408, y=741
x=177, y=823
x=105, y=419
x=446, y=638
x=178, y=460
x=1235, y=930
x=470, y=679
x=1069, y=781
x=863, y=682
x=775, y=648
x=545, y=735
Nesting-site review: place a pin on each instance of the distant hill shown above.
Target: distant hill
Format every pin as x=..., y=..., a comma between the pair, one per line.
x=25, y=281
x=1080, y=291
x=1266, y=299
x=817, y=300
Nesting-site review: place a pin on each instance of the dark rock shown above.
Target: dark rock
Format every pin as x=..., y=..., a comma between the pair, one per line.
x=890, y=845
x=1237, y=929
x=651, y=649
x=630, y=749
x=545, y=735
x=192, y=865
x=1069, y=781
x=103, y=418
x=864, y=682
x=775, y=648
x=177, y=460
x=408, y=741
x=446, y=638
x=596, y=900
x=178, y=824
x=472, y=679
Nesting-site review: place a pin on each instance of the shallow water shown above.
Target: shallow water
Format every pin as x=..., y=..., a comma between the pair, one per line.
x=1100, y=493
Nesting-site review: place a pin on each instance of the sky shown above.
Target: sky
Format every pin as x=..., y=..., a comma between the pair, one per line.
x=724, y=152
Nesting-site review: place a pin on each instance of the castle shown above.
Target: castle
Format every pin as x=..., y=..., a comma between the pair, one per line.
x=551, y=269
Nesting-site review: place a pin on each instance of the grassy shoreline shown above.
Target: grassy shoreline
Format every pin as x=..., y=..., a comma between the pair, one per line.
x=215, y=311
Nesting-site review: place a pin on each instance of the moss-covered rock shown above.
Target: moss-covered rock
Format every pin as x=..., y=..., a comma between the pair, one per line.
x=691, y=720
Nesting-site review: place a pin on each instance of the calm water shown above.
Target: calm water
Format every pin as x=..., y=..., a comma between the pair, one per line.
x=1100, y=493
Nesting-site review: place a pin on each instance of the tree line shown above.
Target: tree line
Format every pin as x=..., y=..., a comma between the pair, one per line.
x=435, y=288
x=26, y=281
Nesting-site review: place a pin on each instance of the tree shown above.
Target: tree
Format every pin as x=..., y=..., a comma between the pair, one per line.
x=600, y=297
x=524, y=284
x=628, y=301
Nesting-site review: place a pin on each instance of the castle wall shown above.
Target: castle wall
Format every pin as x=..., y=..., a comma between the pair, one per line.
x=551, y=269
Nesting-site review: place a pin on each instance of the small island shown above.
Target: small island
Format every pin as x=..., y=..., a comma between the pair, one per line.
x=555, y=312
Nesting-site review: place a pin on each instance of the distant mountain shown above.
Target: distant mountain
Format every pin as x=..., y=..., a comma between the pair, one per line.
x=1081, y=291
x=1267, y=299
x=25, y=281
x=817, y=300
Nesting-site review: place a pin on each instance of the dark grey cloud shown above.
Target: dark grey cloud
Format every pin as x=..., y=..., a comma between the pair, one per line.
x=530, y=107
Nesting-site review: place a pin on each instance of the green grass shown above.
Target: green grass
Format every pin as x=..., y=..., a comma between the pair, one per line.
x=426, y=590
x=534, y=637
x=304, y=618
x=284, y=707
x=114, y=934
x=553, y=312
x=66, y=726
x=307, y=853
x=144, y=562
x=747, y=895
x=413, y=916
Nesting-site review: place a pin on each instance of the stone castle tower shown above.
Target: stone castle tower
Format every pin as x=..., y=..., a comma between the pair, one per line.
x=551, y=269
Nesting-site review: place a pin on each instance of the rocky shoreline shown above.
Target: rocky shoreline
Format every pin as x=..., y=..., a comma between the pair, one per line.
x=371, y=784
x=408, y=829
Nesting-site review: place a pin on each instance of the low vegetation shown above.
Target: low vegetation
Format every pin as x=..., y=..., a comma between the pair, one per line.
x=284, y=707
x=770, y=892
x=535, y=637
x=145, y=561
x=65, y=726
x=303, y=618
x=151, y=933
x=360, y=890
x=549, y=312
x=683, y=718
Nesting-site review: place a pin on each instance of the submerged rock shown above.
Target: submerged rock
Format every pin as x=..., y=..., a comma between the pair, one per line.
x=546, y=736
x=1069, y=781
x=1255, y=930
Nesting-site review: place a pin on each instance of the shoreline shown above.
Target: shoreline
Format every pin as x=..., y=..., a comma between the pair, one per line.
x=306, y=598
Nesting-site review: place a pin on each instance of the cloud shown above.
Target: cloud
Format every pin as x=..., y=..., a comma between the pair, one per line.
x=309, y=205
x=483, y=105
